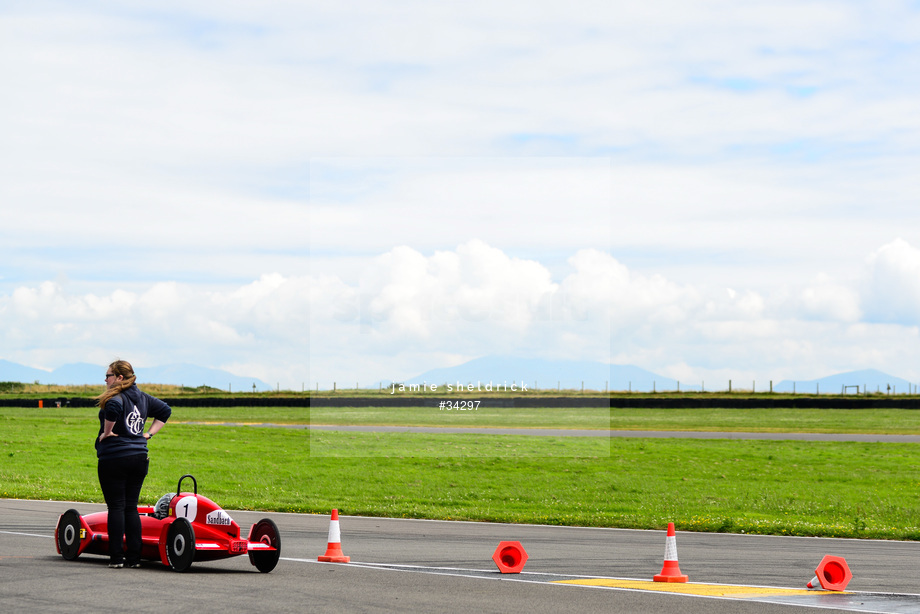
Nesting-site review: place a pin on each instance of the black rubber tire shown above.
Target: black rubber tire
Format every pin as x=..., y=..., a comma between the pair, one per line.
x=68, y=534
x=265, y=531
x=180, y=544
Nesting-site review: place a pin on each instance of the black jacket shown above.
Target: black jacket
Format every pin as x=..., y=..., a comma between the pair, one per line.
x=128, y=410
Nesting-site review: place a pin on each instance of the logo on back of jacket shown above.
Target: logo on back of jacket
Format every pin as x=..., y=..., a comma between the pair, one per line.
x=134, y=421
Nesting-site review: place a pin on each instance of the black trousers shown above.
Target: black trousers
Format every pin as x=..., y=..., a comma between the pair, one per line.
x=121, y=480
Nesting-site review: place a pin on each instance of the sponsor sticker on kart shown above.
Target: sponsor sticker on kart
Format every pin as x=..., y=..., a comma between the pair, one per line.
x=219, y=517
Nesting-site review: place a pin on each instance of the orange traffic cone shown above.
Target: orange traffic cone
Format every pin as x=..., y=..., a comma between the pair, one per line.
x=334, y=549
x=510, y=557
x=670, y=572
x=832, y=574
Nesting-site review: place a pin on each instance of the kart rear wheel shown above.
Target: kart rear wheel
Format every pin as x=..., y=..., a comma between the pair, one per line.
x=68, y=534
x=180, y=544
x=265, y=531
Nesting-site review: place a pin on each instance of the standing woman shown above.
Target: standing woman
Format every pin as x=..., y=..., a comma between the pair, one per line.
x=122, y=451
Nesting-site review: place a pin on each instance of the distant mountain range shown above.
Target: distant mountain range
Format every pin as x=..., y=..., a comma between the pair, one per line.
x=869, y=380
x=500, y=371
x=79, y=374
x=541, y=374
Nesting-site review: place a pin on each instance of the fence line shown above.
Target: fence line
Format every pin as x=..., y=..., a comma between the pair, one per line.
x=629, y=388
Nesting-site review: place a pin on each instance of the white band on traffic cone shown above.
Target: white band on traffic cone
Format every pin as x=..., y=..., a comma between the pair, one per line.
x=335, y=535
x=670, y=548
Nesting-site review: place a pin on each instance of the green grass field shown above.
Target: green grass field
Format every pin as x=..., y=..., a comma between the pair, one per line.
x=888, y=421
x=769, y=487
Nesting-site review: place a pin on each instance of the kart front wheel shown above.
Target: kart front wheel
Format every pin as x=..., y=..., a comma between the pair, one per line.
x=68, y=534
x=266, y=532
x=180, y=544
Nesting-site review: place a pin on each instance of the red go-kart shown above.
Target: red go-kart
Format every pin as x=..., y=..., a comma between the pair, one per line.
x=180, y=529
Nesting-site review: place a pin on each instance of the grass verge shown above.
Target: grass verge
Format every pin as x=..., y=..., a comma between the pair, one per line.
x=767, y=487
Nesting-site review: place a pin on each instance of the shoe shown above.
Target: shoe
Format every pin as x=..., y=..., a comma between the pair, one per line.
x=133, y=565
x=116, y=565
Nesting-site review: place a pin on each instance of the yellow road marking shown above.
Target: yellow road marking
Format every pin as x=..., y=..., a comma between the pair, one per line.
x=709, y=590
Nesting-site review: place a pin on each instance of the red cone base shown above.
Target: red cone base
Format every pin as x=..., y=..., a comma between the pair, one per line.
x=334, y=554
x=670, y=572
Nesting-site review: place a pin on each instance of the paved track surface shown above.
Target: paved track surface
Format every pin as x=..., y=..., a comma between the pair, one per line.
x=401, y=565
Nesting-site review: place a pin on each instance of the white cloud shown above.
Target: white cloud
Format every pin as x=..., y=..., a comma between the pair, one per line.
x=891, y=290
x=468, y=301
x=830, y=300
x=410, y=312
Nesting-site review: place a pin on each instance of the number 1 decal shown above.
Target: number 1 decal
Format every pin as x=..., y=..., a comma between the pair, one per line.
x=187, y=507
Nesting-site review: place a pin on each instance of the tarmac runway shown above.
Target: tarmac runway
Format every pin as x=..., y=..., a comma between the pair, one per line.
x=403, y=565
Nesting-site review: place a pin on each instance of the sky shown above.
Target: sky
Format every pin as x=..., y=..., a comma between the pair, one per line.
x=310, y=192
